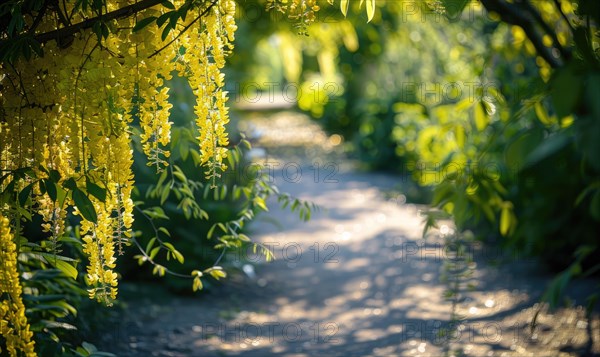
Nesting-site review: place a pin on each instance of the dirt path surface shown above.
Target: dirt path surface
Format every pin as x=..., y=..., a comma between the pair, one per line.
x=357, y=280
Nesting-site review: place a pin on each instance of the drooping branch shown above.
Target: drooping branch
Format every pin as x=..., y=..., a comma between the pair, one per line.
x=513, y=15
x=549, y=30
x=68, y=31
x=202, y=14
x=39, y=17
x=564, y=16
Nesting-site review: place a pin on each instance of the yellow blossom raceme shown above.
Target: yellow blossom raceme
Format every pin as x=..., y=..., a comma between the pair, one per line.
x=71, y=117
x=206, y=48
x=98, y=244
x=14, y=327
x=71, y=112
x=302, y=11
x=154, y=120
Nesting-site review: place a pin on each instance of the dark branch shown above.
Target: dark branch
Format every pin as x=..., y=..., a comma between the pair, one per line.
x=69, y=31
x=564, y=16
x=185, y=28
x=509, y=13
x=549, y=30
x=61, y=16
x=39, y=17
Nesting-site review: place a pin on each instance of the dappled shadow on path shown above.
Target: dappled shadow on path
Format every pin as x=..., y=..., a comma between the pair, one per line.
x=358, y=280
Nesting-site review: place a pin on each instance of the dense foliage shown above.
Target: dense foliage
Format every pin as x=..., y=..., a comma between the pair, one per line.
x=493, y=105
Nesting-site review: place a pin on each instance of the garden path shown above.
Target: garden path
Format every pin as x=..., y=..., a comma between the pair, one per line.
x=357, y=280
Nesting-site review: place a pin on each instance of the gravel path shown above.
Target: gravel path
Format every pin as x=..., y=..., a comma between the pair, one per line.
x=357, y=280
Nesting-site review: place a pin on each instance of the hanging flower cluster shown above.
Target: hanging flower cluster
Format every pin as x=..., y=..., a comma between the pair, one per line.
x=303, y=12
x=13, y=323
x=70, y=118
x=203, y=59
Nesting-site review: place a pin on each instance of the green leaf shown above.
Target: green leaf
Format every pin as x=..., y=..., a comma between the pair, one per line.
x=565, y=89
x=66, y=306
x=168, y=5
x=521, y=147
x=505, y=219
x=65, y=267
x=184, y=150
x=43, y=169
x=454, y=7
x=211, y=231
x=542, y=115
x=50, y=257
x=61, y=196
x=165, y=231
x=370, y=10
x=95, y=190
x=164, y=194
x=143, y=23
x=89, y=347
x=25, y=213
x=556, y=289
x=197, y=285
x=150, y=245
x=54, y=176
x=178, y=256
x=165, y=32
x=70, y=184
x=49, y=324
x=85, y=206
x=179, y=174
x=159, y=270
x=50, y=187
x=162, y=178
x=10, y=187
x=547, y=148
x=481, y=118
x=223, y=227
x=344, y=6
x=244, y=237
x=217, y=273
x=169, y=246
x=154, y=252
x=260, y=202
x=163, y=18
x=104, y=29
x=96, y=28
x=24, y=194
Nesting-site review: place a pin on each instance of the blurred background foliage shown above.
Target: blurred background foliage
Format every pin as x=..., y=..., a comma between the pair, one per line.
x=500, y=122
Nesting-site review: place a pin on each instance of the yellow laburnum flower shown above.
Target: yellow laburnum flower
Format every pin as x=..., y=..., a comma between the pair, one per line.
x=13, y=323
x=98, y=244
x=71, y=113
x=206, y=48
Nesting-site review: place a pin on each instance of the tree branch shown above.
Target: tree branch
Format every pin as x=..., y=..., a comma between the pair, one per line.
x=202, y=14
x=564, y=16
x=39, y=17
x=549, y=30
x=510, y=14
x=68, y=31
